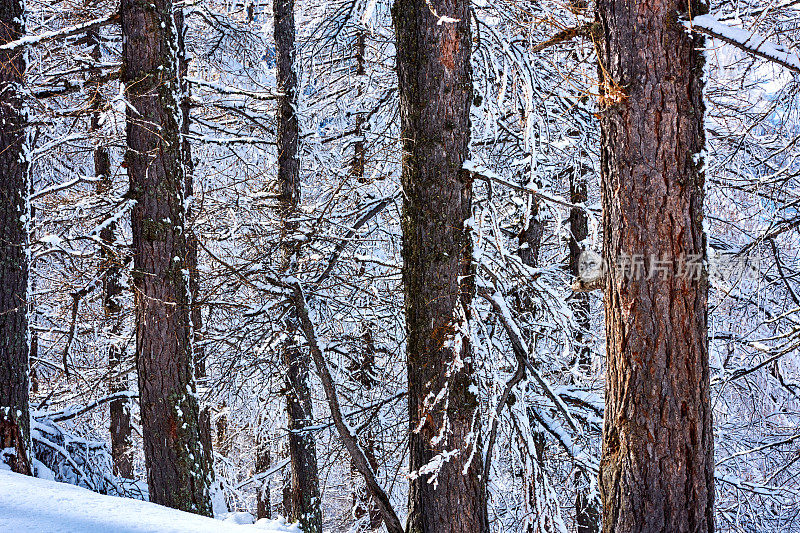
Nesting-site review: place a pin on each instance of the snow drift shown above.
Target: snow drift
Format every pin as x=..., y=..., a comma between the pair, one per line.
x=31, y=505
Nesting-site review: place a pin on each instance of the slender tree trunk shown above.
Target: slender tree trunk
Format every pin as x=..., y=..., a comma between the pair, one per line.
x=304, y=503
x=14, y=411
x=263, y=462
x=196, y=316
x=119, y=410
x=530, y=244
x=178, y=470
x=222, y=439
x=587, y=515
x=304, y=496
x=188, y=166
x=656, y=473
x=364, y=370
x=530, y=241
x=435, y=85
x=360, y=152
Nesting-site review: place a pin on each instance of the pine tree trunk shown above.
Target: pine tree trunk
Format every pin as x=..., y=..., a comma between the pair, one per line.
x=188, y=166
x=304, y=503
x=14, y=412
x=364, y=370
x=263, y=462
x=119, y=410
x=587, y=515
x=656, y=473
x=304, y=496
x=530, y=244
x=435, y=85
x=178, y=471
x=359, y=146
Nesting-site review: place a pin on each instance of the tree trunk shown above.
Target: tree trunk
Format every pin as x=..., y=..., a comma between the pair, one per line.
x=119, y=410
x=587, y=515
x=178, y=471
x=263, y=462
x=188, y=167
x=14, y=412
x=304, y=496
x=304, y=503
x=435, y=85
x=656, y=473
x=530, y=241
x=530, y=244
x=359, y=147
x=364, y=370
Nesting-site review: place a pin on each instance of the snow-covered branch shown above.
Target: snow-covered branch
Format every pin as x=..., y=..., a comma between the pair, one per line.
x=748, y=41
x=77, y=29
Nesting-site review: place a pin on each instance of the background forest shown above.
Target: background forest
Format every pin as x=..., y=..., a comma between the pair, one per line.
x=287, y=267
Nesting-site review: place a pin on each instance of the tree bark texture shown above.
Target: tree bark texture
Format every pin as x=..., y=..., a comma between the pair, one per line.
x=120, y=428
x=363, y=371
x=304, y=495
x=14, y=412
x=178, y=470
x=435, y=86
x=656, y=473
x=359, y=146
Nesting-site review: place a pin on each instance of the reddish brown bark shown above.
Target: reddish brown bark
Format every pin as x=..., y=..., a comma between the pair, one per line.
x=120, y=425
x=178, y=470
x=656, y=473
x=188, y=167
x=587, y=514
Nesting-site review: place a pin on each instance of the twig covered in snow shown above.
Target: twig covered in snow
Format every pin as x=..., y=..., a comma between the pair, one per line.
x=334, y=257
x=225, y=89
x=73, y=411
x=482, y=173
x=77, y=29
x=748, y=41
x=261, y=476
x=501, y=403
x=521, y=351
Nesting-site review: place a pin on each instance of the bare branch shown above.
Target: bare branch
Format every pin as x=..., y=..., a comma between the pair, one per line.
x=565, y=35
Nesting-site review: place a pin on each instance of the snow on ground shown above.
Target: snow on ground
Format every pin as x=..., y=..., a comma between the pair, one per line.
x=31, y=505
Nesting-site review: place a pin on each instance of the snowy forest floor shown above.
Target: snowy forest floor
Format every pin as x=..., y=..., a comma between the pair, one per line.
x=31, y=505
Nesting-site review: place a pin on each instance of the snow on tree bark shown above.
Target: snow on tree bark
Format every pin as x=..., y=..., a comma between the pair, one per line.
x=188, y=166
x=178, y=472
x=656, y=472
x=435, y=85
x=14, y=412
